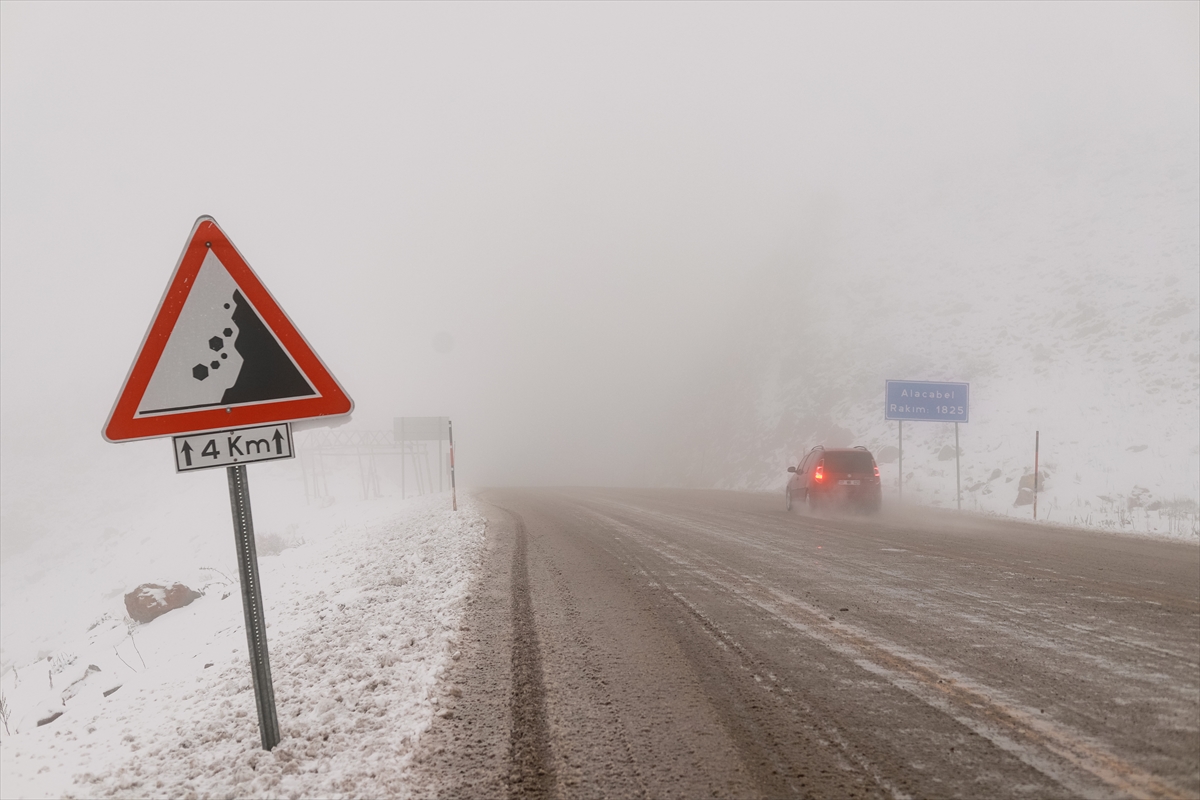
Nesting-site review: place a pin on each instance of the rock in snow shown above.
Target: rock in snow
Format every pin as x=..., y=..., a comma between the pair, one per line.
x=151, y=600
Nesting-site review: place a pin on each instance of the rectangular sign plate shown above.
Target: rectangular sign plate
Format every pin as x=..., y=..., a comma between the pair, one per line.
x=928, y=401
x=238, y=446
x=421, y=429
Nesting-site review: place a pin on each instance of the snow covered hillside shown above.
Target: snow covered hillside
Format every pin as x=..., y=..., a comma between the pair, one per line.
x=1063, y=285
x=362, y=601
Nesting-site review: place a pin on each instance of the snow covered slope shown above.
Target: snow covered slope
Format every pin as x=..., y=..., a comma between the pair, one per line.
x=1062, y=285
x=362, y=612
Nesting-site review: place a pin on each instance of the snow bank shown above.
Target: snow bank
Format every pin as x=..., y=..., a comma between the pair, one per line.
x=362, y=621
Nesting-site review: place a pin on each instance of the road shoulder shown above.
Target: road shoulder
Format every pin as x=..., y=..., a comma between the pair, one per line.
x=465, y=751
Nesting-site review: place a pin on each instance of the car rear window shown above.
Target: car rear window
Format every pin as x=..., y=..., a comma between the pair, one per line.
x=858, y=461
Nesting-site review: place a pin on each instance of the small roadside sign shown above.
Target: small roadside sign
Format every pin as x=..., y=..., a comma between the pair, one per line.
x=239, y=446
x=220, y=353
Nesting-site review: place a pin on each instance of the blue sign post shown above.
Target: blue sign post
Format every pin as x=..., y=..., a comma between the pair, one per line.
x=928, y=401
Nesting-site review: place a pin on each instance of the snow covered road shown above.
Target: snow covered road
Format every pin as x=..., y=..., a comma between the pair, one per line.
x=669, y=643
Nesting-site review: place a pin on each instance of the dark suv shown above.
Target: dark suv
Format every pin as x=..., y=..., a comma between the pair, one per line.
x=828, y=477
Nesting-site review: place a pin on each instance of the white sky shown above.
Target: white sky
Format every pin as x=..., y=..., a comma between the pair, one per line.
x=575, y=192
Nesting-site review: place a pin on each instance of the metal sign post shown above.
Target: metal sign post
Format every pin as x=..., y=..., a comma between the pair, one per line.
x=900, y=480
x=453, y=489
x=1037, y=440
x=256, y=626
x=957, y=470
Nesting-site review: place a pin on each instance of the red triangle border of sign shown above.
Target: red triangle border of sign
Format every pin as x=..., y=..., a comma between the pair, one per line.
x=123, y=423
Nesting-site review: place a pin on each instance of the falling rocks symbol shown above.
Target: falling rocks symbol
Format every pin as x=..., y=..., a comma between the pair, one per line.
x=267, y=373
x=220, y=353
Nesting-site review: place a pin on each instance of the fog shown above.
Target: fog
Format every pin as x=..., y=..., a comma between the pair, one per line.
x=567, y=227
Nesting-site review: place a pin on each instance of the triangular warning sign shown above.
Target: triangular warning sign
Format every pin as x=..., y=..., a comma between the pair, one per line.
x=220, y=353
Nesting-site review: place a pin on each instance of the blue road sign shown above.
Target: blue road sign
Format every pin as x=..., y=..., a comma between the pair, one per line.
x=928, y=401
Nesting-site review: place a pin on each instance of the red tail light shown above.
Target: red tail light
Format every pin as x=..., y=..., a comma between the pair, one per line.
x=819, y=472
x=876, y=470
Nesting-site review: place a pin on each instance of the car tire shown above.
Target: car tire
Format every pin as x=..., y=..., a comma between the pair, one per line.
x=787, y=499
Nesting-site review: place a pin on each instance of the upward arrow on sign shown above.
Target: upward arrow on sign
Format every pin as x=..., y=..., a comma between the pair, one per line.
x=220, y=353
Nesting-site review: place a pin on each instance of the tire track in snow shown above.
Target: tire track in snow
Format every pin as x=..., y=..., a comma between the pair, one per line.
x=770, y=758
x=531, y=767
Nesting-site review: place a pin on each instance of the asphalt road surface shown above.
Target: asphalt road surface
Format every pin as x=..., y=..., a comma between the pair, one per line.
x=709, y=644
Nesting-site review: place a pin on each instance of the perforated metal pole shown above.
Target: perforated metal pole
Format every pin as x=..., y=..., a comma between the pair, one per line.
x=256, y=626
